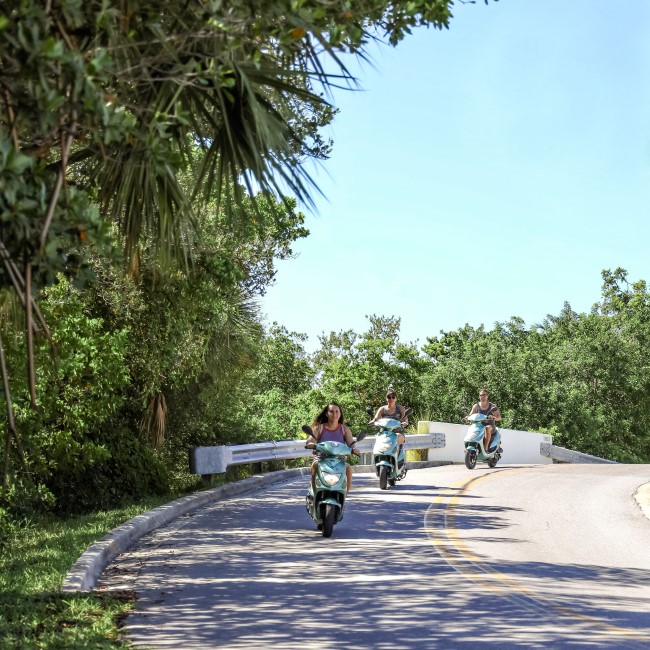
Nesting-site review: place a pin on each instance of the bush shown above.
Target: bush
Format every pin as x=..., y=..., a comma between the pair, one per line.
x=130, y=471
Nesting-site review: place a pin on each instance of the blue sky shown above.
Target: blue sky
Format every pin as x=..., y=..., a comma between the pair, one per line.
x=488, y=171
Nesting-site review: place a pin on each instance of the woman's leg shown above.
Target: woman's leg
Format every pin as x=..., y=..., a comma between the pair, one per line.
x=488, y=436
x=348, y=473
x=313, y=477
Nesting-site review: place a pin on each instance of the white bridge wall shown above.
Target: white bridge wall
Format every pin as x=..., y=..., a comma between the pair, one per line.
x=518, y=446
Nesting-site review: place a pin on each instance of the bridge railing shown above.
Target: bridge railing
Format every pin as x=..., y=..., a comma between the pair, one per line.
x=562, y=455
x=443, y=440
x=216, y=460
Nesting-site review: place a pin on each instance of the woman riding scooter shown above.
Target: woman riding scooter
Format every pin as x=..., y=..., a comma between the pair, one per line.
x=491, y=410
x=328, y=426
x=392, y=410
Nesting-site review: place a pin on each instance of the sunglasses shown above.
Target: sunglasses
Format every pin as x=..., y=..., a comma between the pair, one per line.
x=391, y=396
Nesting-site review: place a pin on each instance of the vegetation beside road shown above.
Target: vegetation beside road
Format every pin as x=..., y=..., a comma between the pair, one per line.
x=34, y=561
x=141, y=214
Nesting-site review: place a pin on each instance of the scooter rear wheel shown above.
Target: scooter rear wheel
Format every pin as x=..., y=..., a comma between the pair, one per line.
x=329, y=519
x=492, y=462
x=470, y=458
x=391, y=482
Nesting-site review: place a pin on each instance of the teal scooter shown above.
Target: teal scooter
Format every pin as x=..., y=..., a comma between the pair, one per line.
x=388, y=457
x=474, y=442
x=325, y=506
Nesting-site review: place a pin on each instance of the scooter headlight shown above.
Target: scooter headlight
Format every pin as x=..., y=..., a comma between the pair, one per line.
x=384, y=447
x=331, y=479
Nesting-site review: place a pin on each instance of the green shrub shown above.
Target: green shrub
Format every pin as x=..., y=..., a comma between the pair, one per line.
x=131, y=470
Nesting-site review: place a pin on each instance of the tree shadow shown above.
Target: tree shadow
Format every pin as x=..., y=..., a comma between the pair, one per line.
x=254, y=572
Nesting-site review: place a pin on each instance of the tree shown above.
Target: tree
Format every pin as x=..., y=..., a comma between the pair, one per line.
x=197, y=327
x=272, y=396
x=355, y=370
x=120, y=124
x=104, y=104
x=581, y=377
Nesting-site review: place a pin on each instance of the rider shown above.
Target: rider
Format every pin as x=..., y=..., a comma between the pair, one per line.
x=392, y=410
x=491, y=410
x=328, y=427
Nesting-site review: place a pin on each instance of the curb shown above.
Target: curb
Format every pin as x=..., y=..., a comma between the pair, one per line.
x=86, y=570
x=642, y=496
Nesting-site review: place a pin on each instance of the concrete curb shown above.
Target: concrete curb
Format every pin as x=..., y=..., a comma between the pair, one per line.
x=642, y=496
x=86, y=570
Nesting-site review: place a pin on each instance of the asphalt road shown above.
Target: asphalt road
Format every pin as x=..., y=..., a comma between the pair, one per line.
x=545, y=556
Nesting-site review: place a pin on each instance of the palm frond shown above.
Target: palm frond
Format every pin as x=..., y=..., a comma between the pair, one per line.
x=154, y=422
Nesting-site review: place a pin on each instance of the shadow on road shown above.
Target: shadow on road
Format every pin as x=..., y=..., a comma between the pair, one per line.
x=253, y=572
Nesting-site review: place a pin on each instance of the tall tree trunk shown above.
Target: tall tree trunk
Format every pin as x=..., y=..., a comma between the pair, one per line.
x=29, y=333
x=11, y=427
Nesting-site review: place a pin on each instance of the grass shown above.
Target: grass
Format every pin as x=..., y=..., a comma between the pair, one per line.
x=37, y=556
x=33, y=565
x=35, y=560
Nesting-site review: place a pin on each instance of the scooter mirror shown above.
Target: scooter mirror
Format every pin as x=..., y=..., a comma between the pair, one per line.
x=408, y=412
x=307, y=429
x=361, y=436
x=369, y=412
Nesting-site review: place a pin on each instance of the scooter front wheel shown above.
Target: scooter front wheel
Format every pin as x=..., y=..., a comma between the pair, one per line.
x=383, y=477
x=329, y=518
x=470, y=458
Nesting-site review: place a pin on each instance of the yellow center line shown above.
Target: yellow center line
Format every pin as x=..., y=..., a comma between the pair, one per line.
x=451, y=547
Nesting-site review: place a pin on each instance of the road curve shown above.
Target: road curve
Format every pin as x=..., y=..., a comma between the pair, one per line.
x=543, y=556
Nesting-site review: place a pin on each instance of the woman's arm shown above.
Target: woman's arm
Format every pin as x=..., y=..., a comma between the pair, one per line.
x=349, y=438
x=313, y=439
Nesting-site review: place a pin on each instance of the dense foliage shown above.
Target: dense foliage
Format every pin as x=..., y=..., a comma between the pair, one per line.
x=174, y=141
x=171, y=145
x=581, y=377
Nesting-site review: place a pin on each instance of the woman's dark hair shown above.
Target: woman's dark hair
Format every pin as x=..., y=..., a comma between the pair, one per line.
x=321, y=418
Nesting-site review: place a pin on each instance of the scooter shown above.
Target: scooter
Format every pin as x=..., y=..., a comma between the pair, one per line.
x=474, y=442
x=325, y=506
x=387, y=456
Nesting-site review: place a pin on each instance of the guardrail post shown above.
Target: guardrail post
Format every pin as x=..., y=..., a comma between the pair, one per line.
x=365, y=459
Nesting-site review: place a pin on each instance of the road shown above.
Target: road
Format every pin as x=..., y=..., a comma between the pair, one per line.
x=543, y=556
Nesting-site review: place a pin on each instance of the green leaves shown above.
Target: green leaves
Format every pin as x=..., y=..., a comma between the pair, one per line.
x=582, y=376
x=11, y=160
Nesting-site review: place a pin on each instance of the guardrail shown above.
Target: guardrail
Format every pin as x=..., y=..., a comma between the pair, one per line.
x=562, y=455
x=216, y=460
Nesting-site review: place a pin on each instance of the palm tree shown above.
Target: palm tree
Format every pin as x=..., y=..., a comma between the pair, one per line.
x=104, y=106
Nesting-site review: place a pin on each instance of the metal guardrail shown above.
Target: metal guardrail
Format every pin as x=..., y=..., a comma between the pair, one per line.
x=562, y=455
x=216, y=460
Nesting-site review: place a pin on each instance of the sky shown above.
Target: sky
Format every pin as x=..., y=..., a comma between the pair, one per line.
x=483, y=172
